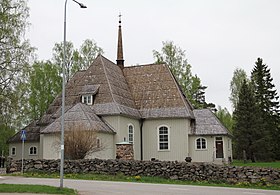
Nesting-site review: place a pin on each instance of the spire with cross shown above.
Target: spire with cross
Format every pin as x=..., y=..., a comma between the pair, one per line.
x=120, y=60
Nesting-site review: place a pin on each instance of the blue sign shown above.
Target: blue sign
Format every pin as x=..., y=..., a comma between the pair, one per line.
x=23, y=135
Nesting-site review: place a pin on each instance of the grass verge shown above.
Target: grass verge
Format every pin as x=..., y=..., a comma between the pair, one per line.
x=19, y=188
x=257, y=164
x=158, y=180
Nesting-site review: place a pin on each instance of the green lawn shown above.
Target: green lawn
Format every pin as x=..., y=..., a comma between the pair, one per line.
x=158, y=180
x=18, y=188
x=257, y=164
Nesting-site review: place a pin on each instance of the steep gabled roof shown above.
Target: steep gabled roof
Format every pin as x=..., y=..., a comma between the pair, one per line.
x=156, y=92
x=208, y=124
x=82, y=115
x=32, y=134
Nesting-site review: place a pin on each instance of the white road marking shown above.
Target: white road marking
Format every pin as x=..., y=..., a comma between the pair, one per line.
x=1, y=177
x=182, y=189
x=253, y=193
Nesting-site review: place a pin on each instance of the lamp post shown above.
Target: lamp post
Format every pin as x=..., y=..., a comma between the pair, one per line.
x=63, y=94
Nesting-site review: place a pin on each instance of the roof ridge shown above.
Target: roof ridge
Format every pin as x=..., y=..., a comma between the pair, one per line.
x=109, y=84
x=142, y=65
x=86, y=113
x=185, y=100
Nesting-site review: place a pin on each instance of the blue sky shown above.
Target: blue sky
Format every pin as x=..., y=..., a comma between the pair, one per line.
x=218, y=35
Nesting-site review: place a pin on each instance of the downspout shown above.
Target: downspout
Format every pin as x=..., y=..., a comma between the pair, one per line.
x=141, y=138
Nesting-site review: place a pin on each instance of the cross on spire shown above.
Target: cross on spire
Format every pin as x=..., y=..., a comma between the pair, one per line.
x=120, y=17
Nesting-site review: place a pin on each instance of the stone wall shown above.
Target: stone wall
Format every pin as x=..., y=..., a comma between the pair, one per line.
x=166, y=169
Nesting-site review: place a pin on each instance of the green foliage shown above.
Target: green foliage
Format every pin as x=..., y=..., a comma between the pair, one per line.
x=239, y=75
x=175, y=58
x=268, y=103
x=247, y=129
x=225, y=117
x=75, y=59
x=15, y=55
x=42, y=189
x=6, y=132
x=45, y=84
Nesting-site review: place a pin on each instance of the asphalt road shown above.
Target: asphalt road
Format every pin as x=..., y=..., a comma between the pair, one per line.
x=87, y=187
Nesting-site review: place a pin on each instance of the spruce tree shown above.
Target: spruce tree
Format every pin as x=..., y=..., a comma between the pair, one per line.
x=267, y=101
x=246, y=129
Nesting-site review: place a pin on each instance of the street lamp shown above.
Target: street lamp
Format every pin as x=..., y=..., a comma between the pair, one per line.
x=63, y=93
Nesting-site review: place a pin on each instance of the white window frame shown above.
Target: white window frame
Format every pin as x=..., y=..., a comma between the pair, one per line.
x=87, y=99
x=36, y=149
x=196, y=146
x=168, y=137
x=13, y=154
x=129, y=133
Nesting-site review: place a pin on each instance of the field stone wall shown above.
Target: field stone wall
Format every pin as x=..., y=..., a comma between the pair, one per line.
x=167, y=169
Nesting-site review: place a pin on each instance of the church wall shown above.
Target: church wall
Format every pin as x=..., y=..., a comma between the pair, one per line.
x=27, y=146
x=51, y=146
x=178, y=136
x=107, y=147
x=120, y=125
x=205, y=155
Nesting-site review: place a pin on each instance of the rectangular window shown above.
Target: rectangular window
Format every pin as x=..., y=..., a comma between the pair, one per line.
x=87, y=99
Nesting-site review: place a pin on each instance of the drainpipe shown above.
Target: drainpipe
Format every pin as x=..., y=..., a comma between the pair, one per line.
x=141, y=137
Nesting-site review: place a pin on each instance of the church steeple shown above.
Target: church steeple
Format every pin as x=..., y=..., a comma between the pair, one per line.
x=120, y=60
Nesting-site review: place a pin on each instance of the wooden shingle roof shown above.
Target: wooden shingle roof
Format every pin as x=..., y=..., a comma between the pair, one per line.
x=82, y=115
x=208, y=124
x=156, y=92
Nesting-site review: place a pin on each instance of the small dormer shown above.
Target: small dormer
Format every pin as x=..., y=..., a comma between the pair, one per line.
x=87, y=99
x=88, y=93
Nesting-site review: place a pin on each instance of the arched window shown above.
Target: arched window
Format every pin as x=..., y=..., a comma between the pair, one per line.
x=33, y=150
x=163, y=138
x=98, y=143
x=201, y=143
x=130, y=134
x=13, y=151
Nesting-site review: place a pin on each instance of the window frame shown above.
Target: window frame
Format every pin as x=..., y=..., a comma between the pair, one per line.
x=201, y=145
x=86, y=98
x=33, y=153
x=129, y=133
x=168, y=138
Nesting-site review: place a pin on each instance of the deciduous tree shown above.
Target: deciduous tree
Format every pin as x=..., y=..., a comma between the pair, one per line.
x=80, y=142
x=239, y=75
x=45, y=84
x=15, y=56
x=175, y=58
x=75, y=59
